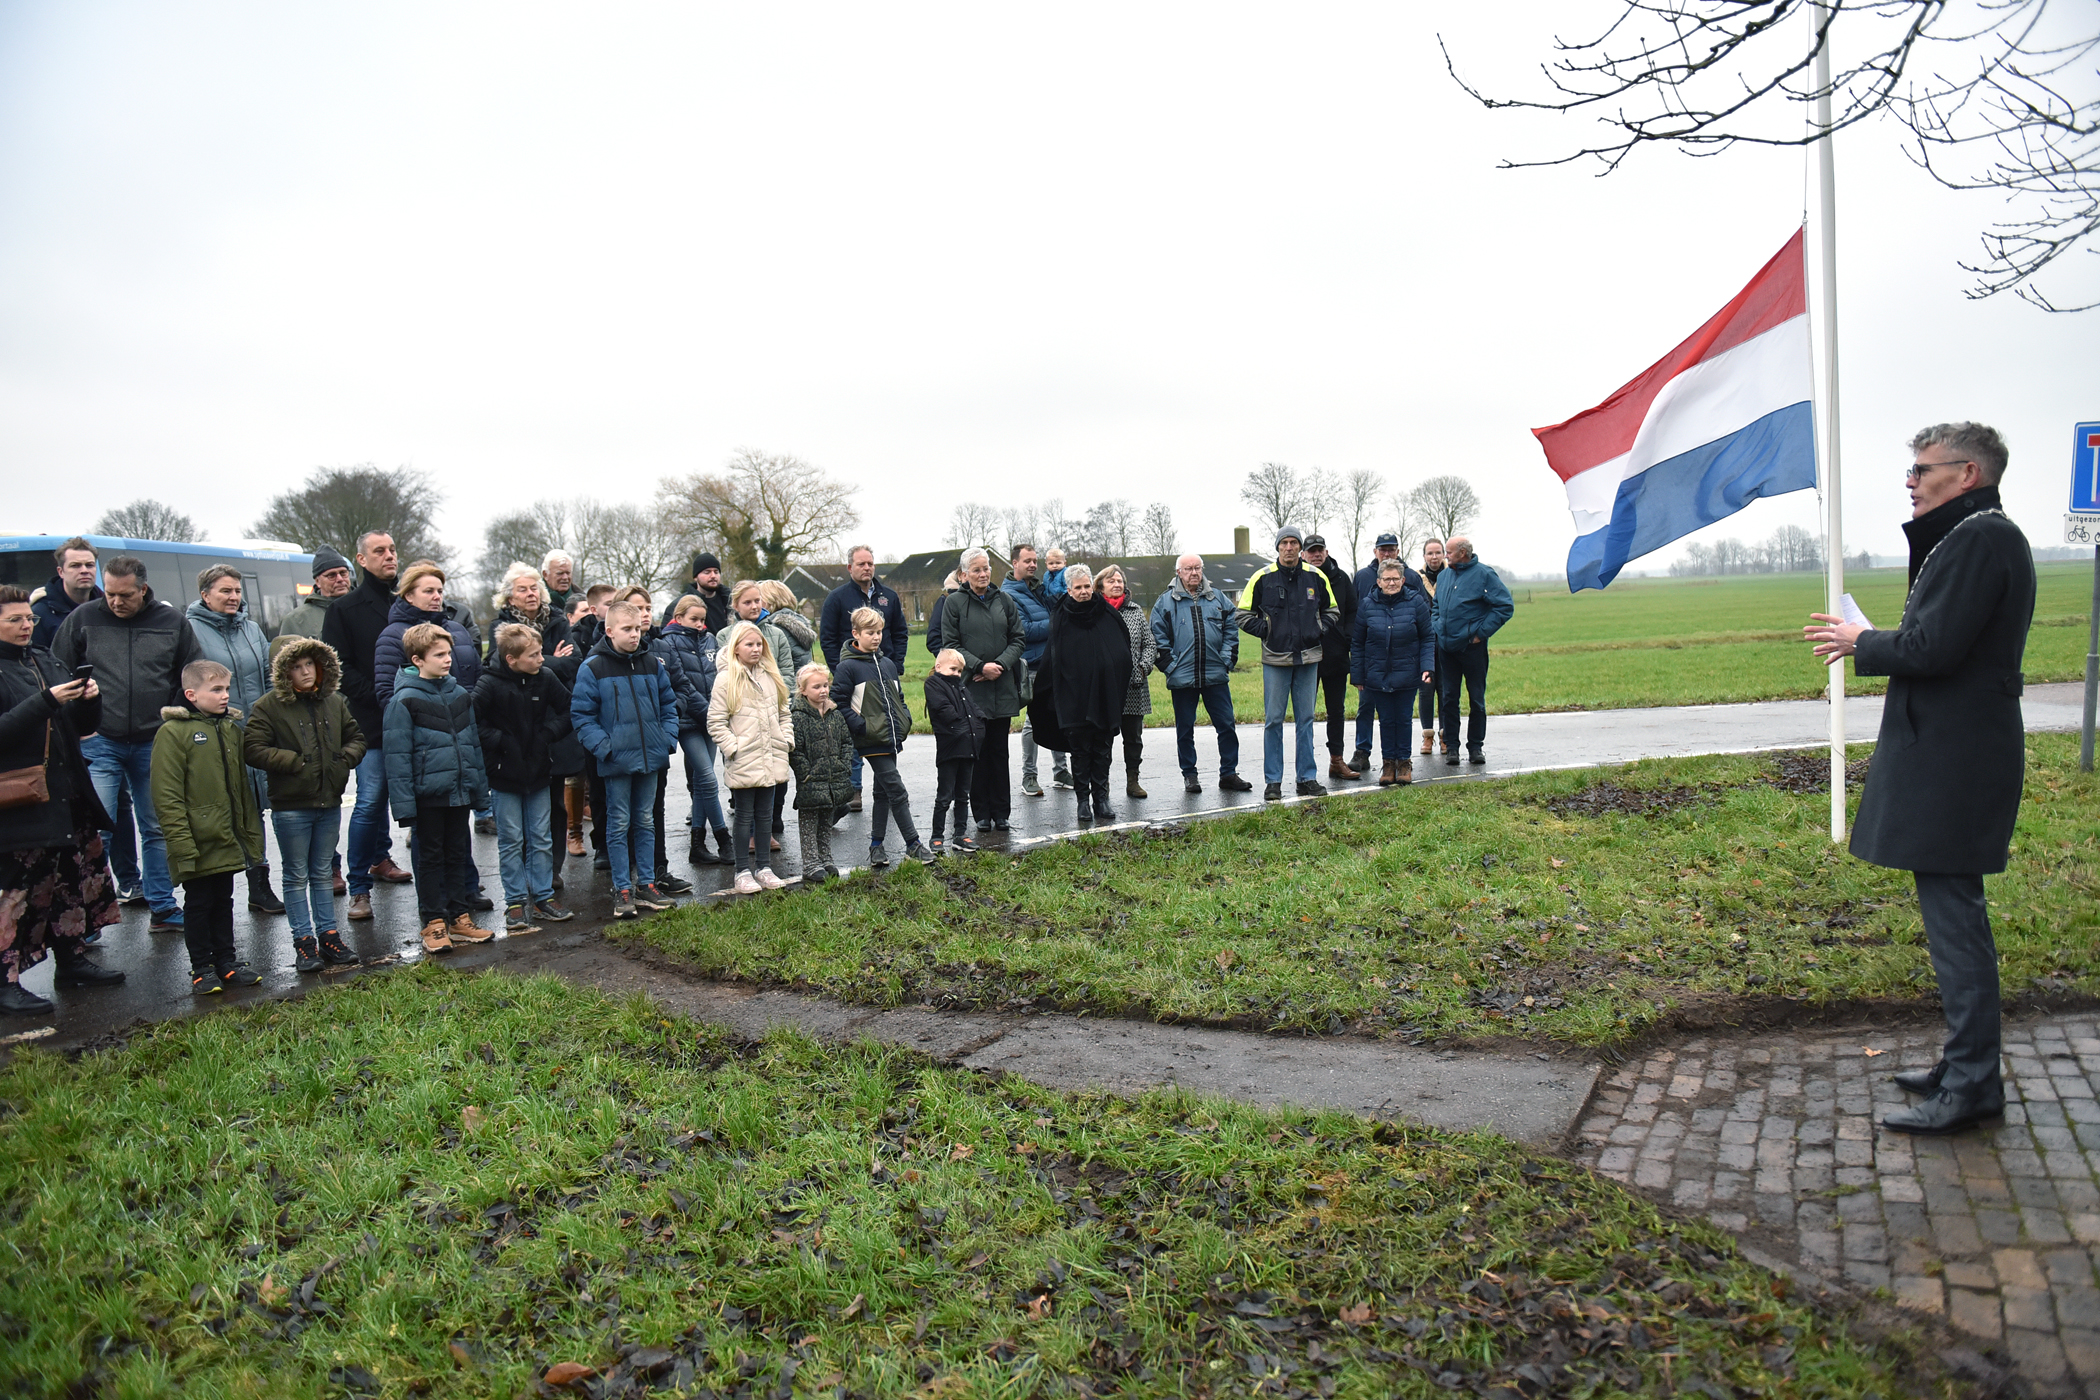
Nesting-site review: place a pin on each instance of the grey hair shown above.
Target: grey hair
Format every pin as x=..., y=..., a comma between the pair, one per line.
x=554, y=554
x=1075, y=572
x=365, y=538
x=511, y=576
x=974, y=552
x=1391, y=566
x=1975, y=442
x=867, y=549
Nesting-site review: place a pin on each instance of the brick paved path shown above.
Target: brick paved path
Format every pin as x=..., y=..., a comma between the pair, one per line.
x=1778, y=1136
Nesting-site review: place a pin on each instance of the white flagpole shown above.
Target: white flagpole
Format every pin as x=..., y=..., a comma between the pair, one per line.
x=1823, y=290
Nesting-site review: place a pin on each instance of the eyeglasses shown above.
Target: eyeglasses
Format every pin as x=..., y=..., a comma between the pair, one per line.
x=1916, y=470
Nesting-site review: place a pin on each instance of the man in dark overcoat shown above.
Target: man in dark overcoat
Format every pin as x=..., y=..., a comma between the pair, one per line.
x=1943, y=788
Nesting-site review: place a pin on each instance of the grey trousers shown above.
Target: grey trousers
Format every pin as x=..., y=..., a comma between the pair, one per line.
x=1029, y=751
x=1965, y=960
x=814, y=828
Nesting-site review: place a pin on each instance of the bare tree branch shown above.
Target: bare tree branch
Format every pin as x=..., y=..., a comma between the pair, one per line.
x=1275, y=494
x=1360, y=492
x=148, y=519
x=767, y=510
x=1446, y=504
x=1992, y=95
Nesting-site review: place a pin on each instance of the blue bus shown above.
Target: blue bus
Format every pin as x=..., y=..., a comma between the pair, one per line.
x=274, y=576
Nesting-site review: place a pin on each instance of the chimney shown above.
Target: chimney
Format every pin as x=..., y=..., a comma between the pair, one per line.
x=1241, y=544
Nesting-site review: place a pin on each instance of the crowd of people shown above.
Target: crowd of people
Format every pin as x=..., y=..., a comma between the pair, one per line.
x=148, y=751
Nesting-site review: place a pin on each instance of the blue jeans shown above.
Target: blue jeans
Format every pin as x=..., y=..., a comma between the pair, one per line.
x=370, y=839
x=306, y=844
x=116, y=768
x=1217, y=703
x=1396, y=718
x=1295, y=688
x=525, y=847
x=700, y=782
x=630, y=828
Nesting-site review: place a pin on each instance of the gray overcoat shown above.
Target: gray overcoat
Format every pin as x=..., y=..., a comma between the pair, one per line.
x=1943, y=788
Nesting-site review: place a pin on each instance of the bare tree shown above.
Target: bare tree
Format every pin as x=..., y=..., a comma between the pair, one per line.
x=1157, y=534
x=1023, y=525
x=1319, y=495
x=630, y=545
x=1360, y=492
x=147, y=519
x=1994, y=96
x=1408, y=523
x=767, y=510
x=972, y=523
x=337, y=504
x=1275, y=493
x=1059, y=528
x=1112, y=528
x=1445, y=505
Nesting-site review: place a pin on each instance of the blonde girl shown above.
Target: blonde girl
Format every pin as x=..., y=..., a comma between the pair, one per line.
x=747, y=717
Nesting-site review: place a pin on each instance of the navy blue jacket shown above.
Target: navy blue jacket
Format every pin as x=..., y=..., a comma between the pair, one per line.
x=624, y=710
x=1034, y=602
x=433, y=747
x=1392, y=646
x=388, y=657
x=1366, y=580
x=52, y=608
x=868, y=689
x=835, y=624
x=689, y=656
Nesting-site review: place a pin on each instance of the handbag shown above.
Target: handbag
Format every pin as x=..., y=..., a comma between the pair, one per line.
x=1025, y=675
x=28, y=787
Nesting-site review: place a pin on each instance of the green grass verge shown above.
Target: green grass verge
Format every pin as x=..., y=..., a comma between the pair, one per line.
x=427, y=1183
x=1678, y=641
x=1575, y=907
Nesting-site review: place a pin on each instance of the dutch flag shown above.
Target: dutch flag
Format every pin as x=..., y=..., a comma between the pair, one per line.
x=1721, y=420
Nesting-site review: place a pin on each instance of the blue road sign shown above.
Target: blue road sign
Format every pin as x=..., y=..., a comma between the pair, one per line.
x=2085, y=467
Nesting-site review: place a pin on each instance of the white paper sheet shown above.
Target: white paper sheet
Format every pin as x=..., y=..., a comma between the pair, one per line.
x=1849, y=610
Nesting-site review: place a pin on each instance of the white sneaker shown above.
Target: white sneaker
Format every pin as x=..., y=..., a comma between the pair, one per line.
x=771, y=881
x=747, y=883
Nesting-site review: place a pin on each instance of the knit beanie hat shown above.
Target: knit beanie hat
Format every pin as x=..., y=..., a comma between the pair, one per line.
x=326, y=559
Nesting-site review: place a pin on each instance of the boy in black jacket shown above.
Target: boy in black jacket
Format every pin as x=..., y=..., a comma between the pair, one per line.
x=958, y=727
x=522, y=710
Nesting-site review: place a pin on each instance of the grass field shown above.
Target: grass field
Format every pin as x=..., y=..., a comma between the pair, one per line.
x=1680, y=641
x=428, y=1183
x=1578, y=907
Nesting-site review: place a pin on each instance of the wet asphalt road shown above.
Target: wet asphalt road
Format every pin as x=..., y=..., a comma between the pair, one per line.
x=157, y=965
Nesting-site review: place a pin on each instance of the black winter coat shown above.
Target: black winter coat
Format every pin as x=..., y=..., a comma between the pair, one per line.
x=352, y=627
x=554, y=635
x=1086, y=667
x=523, y=720
x=1943, y=788
x=26, y=714
x=138, y=662
x=958, y=725
x=822, y=759
x=1335, y=635
x=52, y=609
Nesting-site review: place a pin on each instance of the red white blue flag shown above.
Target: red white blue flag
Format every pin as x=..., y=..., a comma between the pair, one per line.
x=1721, y=420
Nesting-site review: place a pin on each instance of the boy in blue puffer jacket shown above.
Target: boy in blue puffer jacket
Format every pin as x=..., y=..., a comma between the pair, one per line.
x=626, y=714
x=435, y=778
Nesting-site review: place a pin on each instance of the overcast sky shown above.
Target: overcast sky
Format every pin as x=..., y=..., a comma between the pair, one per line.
x=971, y=252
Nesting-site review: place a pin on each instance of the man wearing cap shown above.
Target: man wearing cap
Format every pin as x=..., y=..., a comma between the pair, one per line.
x=331, y=581
x=707, y=587
x=1334, y=656
x=1366, y=583
x=1288, y=605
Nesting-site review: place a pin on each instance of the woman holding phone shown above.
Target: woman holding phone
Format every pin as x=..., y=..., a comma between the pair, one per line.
x=55, y=886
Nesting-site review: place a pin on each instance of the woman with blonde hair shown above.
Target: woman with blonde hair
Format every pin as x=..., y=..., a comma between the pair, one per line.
x=783, y=611
x=747, y=717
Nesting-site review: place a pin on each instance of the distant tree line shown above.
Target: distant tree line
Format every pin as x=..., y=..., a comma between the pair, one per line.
x=1789, y=550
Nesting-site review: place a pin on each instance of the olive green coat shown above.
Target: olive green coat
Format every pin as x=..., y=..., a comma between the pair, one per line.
x=203, y=794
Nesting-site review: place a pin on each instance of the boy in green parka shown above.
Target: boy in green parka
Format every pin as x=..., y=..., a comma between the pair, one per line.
x=208, y=814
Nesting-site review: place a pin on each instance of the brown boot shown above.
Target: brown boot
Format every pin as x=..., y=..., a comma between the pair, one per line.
x=1386, y=774
x=463, y=929
x=391, y=873
x=360, y=906
x=1428, y=742
x=1404, y=772
x=434, y=939
x=1341, y=772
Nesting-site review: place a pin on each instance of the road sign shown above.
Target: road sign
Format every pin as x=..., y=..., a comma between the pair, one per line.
x=2085, y=468
x=2082, y=529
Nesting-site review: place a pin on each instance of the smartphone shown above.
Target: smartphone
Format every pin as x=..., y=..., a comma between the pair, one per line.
x=84, y=672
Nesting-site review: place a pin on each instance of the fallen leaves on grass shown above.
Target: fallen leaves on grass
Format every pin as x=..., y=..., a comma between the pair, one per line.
x=471, y=1118
x=1357, y=1314
x=1226, y=959
x=568, y=1373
